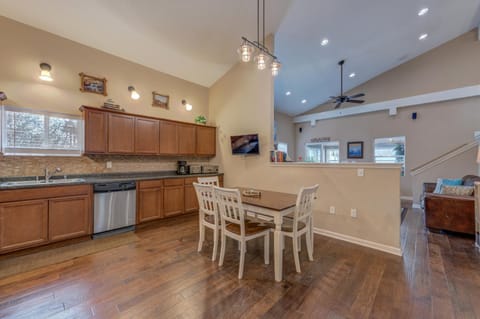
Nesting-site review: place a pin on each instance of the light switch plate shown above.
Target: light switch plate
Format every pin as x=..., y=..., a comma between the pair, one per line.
x=109, y=164
x=353, y=212
x=360, y=172
x=332, y=209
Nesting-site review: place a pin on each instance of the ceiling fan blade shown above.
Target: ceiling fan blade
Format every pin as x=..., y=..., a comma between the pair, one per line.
x=338, y=105
x=356, y=101
x=357, y=95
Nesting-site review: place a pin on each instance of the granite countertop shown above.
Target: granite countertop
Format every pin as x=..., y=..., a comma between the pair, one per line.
x=94, y=178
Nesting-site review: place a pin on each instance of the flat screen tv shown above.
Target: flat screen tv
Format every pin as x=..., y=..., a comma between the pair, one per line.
x=244, y=144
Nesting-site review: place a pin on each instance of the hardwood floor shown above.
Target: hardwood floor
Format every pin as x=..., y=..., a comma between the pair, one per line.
x=162, y=276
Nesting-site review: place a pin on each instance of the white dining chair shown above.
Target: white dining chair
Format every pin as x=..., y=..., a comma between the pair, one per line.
x=301, y=224
x=236, y=226
x=209, y=180
x=207, y=215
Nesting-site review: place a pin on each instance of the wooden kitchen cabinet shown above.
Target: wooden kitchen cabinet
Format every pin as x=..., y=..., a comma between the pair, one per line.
x=121, y=133
x=149, y=200
x=146, y=136
x=35, y=216
x=186, y=139
x=205, y=141
x=95, y=131
x=168, y=138
x=69, y=217
x=191, y=201
x=173, y=197
x=23, y=224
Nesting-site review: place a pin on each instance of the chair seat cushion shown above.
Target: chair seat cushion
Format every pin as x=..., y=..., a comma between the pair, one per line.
x=287, y=225
x=250, y=228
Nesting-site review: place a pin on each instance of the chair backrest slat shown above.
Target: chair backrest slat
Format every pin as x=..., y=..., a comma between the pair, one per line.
x=206, y=198
x=230, y=206
x=303, y=209
x=209, y=180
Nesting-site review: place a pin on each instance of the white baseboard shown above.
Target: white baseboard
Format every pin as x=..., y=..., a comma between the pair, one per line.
x=414, y=205
x=358, y=241
x=406, y=198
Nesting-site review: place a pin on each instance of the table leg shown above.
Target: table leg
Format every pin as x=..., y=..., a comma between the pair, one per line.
x=277, y=247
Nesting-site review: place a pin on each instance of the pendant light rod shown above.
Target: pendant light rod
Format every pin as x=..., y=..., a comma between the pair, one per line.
x=263, y=29
x=258, y=21
x=259, y=46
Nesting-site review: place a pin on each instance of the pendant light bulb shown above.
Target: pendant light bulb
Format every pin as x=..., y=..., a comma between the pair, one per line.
x=245, y=51
x=261, y=61
x=275, y=67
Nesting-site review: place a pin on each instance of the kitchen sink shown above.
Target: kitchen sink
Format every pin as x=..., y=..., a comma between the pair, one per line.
x=42, y=182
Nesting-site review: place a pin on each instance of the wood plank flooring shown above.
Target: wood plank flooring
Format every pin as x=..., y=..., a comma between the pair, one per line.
x=163, y=276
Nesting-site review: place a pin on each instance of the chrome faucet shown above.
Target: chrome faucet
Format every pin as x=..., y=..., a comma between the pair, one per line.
x=48, y=174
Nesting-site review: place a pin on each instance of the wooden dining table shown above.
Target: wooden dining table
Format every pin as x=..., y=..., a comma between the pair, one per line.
x=275, y=205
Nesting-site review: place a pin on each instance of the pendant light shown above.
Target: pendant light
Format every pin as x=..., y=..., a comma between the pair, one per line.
x=263, y=56
x=45, y=72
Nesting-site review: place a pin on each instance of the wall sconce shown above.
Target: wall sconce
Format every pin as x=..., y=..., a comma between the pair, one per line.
x=188, y=107
x=45, y=73
x=133, y=93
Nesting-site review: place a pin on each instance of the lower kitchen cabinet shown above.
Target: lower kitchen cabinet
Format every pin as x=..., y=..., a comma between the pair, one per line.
x=69, y=217
x=36, y=216
x=149, y=200
x=173, y=197
x=191, y=202
x=23, y=224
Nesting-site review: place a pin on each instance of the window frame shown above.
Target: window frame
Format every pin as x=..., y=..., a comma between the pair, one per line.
x=323, y=148
x=404, y=156
x=26, y=151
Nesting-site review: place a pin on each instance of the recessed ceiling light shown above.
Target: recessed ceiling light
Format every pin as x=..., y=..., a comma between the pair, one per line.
x=304, y=101
x=324, y=42
x=352, y=75
x=423, y=36
x=423, y=11
x=288, y=93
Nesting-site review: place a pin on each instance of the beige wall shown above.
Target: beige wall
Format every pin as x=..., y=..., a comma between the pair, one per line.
x=439, y=128
x=286, y=132
x=242, y=102
x=21, y=51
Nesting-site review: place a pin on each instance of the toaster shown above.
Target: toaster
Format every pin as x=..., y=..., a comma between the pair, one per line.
x=195, y=169
x=209, y=169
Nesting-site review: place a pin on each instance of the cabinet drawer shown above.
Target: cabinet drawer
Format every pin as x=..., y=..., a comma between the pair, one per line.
x=150, y=184
x=173, y=182
x=191, y=180
x=11, y=195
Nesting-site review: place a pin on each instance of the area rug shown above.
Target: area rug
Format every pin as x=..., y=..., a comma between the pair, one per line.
x=15, y=264
x=403, y=213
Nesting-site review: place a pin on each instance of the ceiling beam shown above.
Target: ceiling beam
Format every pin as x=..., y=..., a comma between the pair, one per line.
x=440, y=96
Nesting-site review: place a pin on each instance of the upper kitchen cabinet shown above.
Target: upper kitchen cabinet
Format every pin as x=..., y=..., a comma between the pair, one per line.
x=168, y=138
x=205, y=143
x=146, y=136
x=95, y=131
x=186, y=139
x=121, y=133
x=114, y=132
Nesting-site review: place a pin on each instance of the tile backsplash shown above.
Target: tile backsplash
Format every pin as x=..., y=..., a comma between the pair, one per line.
x=35, y=165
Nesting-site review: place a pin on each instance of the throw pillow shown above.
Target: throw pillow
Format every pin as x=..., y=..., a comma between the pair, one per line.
x=446, y=181
x=457, y=190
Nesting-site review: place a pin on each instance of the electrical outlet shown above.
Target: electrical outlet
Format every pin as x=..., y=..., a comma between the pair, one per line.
x=353, y=212
x=109, y=164
x=360, y=172
x=332, y=209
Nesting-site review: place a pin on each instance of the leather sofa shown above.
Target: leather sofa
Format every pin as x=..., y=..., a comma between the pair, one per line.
x=450, y=212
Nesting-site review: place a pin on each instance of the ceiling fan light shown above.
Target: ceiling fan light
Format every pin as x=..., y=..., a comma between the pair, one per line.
x=275, y=67
x=245, y=52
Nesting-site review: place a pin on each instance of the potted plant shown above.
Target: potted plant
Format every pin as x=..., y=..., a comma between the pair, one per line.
x=201, y=120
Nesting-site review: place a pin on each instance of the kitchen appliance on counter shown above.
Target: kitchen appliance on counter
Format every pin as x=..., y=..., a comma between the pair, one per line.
x=114, y=207
x=209, y=169
x=182, y=168
x=195, y=169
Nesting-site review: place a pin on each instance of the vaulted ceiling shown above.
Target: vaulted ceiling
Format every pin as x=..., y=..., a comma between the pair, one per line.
x=197, y=40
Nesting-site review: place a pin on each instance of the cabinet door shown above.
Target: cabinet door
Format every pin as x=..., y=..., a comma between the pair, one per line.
x=173, y=200
x=150, y=204
x=69, y=217
x=146, y=136
x=186, y=139
x=121, y=130
x=206, y=143
x=95, y=131
x=191, y=202
x=23, y=224
x=168, y=138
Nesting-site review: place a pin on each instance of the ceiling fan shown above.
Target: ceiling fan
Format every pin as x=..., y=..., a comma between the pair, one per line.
x=339, y=100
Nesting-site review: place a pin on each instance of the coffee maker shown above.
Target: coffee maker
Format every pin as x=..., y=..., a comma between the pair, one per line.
x=182, y=168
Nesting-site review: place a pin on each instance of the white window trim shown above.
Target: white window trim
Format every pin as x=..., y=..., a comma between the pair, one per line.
x=36, y=151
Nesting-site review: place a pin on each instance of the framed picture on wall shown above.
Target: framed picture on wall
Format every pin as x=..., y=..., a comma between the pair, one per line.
x=160, y=100
x=92, y=84
x=355, y=150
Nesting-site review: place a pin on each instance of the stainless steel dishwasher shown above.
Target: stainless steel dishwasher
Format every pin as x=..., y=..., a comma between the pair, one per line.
x=114, y=207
